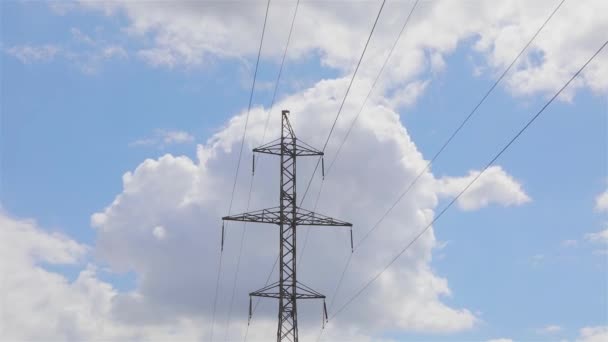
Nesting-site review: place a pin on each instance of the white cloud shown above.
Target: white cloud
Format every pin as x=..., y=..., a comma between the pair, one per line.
x=187, y=197
x=163, y=138
x=569, y=243
x=601, y=202
x=38, y=304
x=43, y=305
x=28, y=54
x=193, y=33
x=593, y=334
x=494, y=186
x=85, y=52
x=550, y=329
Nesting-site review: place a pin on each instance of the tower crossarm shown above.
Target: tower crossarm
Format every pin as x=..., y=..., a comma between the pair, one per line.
x=270, y=215
x=300, y=148
x=308, y=218
x=272, y=291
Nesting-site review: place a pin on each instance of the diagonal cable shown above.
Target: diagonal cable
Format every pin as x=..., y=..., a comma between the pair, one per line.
x=490, y=163
x=388, y=57
x=341, y=106
x=274, y=94
x=238, y=165
x=350, y=84
x=445, y=144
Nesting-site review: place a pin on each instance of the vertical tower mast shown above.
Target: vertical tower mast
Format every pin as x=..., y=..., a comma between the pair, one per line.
x=287, y=216
x=288, y=313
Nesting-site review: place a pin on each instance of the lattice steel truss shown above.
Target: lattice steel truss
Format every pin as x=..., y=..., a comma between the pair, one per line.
x=287, y=216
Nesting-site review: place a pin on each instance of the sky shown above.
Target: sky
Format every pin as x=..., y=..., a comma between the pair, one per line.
x=120, y=129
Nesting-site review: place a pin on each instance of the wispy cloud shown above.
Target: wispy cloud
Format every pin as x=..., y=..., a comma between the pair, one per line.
x=83, y=51
x=599, y=237
x=162, y=138
x=569, y=243
x=601, y=202
x=549, y=329
x=538, y=259
x=28, y=54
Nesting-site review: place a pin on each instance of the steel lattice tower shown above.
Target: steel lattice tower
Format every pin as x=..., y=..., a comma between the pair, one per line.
x=287, y=216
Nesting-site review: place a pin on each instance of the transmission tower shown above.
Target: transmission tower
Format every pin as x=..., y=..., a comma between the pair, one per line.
x=287, y=216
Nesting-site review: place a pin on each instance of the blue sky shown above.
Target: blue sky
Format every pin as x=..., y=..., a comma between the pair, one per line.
x=68, y=127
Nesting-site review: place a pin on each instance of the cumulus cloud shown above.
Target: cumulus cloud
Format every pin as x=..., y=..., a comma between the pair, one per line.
x=39, y=304
x=169, y=207
x=186, y=197
x=193, y=33
x=495, y=186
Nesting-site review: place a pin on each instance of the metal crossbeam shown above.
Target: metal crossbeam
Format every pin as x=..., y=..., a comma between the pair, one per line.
x=273, y=215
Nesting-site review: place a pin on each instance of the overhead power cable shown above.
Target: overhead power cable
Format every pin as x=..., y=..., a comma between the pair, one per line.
x=490, y=163
x=445, y=144
x=388, y=57
x=274, y=95
x=350, y=84
x=238, y=165
x=334, y=123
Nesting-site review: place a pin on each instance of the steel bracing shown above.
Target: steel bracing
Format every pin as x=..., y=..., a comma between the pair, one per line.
x=287, y=216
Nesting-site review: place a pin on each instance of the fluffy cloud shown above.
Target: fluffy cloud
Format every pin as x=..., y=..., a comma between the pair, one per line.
x=593, y=334
x=39, y=304
x=164, y=224
x=195, y=33
x=494, y=186
x=186, y=197
x=601, y=202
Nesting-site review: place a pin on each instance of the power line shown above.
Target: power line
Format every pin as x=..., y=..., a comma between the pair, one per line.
x=331, y=130
x=388, y=57
x=288, y=216
x=274, y=94
x=333, y=126
x=276, y=85
x=490, y=163
x=258, y=300
x=238, y=263
x=445, y=144
x=238, y=165
x=335, y=120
